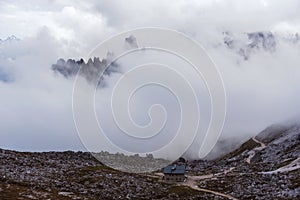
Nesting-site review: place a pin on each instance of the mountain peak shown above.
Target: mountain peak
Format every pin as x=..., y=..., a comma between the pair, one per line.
x=10, y=39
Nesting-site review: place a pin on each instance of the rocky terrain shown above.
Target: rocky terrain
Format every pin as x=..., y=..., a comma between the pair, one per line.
x=77, y=175
x=265, y=167
x=133, y=163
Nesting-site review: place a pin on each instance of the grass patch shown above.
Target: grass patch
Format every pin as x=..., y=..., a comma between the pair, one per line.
x=183, y=191
x=21, y=191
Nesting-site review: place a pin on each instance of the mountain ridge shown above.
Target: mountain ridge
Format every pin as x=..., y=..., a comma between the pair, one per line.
x=268, y=169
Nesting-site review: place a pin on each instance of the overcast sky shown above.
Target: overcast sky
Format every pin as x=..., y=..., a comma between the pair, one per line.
x=35, y=103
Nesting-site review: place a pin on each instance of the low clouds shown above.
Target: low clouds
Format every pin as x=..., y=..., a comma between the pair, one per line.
x=36, y=103
x=35, y=106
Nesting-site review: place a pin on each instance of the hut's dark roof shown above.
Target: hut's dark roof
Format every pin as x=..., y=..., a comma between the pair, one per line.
x=174, y=169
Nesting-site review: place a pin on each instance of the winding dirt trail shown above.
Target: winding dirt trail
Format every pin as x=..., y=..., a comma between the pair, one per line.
x=294, y=165
x=191, y=182
x=262, y=145
x=253, y=152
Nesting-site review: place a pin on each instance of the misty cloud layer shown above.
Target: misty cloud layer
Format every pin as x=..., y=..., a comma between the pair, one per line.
x=255, y=45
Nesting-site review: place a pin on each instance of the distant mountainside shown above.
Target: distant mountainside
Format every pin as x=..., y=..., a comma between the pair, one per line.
x=247, y=44
x=244, y=45
x=90, y=70
x=264, y=167
x=94, y=70
x=9, y=39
